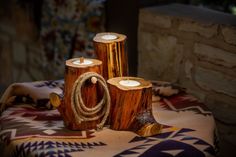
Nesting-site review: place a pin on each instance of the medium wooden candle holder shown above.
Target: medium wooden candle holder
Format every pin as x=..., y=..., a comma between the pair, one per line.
x=111, y=49
x=131, y=106
x=78, y=70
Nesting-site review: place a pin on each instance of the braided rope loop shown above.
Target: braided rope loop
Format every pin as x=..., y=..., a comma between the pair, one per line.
x=80, y=110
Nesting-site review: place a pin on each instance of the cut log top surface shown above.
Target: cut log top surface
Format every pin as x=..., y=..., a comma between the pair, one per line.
x=75, y=62
x=98, y=38
x=116, y=82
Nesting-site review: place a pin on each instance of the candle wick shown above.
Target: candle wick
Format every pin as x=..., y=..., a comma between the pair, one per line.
x=81, y=59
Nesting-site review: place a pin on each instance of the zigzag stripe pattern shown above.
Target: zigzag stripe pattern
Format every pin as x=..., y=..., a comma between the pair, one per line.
x=175, y=140
x=51, y=148
x=8, y=134
x=41, y=123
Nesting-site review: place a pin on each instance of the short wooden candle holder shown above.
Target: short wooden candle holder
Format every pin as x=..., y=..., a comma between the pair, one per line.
x=131, y=106
x=111, y=49
x=75, y=68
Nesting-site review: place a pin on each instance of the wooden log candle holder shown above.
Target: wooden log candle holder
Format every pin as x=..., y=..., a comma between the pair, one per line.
x=131, y=106
x=80, y=107
x=111, y=49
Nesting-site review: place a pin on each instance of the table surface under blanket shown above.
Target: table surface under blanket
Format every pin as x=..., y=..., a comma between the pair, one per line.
x=188, y=130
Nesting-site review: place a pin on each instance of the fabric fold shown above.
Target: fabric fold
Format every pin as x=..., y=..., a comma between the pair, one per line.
x=35, y=93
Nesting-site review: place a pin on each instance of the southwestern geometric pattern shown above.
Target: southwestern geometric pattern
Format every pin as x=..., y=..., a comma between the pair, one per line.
x=50, y=148
x=25, y=120
x=184, y=102
x=31, y=130
x=177, y=145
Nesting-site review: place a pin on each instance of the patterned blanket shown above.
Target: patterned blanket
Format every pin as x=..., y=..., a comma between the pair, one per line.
x=30, y=127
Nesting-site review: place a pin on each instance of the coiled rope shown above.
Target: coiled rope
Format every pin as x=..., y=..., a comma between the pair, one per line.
x=83, y=113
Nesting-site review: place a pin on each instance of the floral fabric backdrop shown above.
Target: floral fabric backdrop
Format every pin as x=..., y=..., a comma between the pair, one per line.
x=67, y=30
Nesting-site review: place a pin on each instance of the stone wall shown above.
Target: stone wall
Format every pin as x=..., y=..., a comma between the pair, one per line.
x=21, y=55
x=195, y=48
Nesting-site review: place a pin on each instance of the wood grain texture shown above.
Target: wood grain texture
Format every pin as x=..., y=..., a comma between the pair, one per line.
x=89, y=93
x=131, y=107
x=113, y=54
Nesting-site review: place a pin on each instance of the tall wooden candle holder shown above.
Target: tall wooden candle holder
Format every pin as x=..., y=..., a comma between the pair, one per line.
x=131, y=100
x=111, y=49
x=88, y=115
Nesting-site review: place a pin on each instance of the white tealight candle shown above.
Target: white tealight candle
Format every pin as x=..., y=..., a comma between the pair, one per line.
x=109, y=37
x=129, y=83
x=85, y=62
